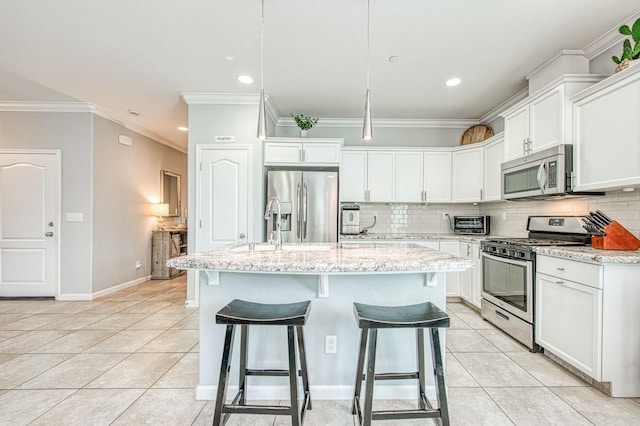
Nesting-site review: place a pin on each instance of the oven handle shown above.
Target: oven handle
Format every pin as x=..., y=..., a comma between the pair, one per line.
x=525, y=263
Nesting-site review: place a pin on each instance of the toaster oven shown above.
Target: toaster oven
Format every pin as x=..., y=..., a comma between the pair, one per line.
x=477, y=225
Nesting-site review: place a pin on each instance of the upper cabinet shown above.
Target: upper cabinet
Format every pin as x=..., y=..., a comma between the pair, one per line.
x=367, y=175
x=353, y=176
x=423, y=177
x=544, y=119
x=302, y=152
x=492, y=159
x=467, y=178
x=607, y=134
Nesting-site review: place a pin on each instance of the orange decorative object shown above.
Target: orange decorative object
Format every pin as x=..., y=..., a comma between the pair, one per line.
x=617, y=238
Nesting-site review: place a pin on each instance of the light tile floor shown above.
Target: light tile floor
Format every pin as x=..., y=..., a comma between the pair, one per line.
x=132, y=358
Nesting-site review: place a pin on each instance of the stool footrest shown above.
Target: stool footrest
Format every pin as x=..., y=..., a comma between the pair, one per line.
x=251, y=372
x=256, y=409
x=404, y=414
x=396, y=376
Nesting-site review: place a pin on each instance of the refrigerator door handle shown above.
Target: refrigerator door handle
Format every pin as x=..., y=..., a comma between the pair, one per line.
x=305, y=207
x=298, y=201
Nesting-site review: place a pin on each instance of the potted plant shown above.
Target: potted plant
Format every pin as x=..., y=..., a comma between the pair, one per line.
x=629, y=52
x=305, y=123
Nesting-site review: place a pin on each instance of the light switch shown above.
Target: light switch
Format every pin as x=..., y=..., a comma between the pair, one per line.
x=74, y=217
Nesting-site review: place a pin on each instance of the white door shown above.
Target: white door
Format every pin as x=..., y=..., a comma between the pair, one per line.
x=409, y=177
x=223, y=199
x=466, y=183
x=353, y=176
x=29, y=188
x=381, y=176
x=437, y=177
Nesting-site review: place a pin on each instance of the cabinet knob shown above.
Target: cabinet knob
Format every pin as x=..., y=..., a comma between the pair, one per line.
x=242, y=236
x=49, y=234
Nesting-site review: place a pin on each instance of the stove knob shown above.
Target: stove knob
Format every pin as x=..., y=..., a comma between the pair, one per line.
x=511, y=253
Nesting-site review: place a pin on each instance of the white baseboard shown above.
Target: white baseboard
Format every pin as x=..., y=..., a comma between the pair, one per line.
x=271, y=393
x=73, y=297
x=190, y=304
x=120, y=287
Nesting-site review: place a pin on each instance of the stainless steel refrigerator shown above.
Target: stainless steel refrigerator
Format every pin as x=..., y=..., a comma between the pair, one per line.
x=309, y=205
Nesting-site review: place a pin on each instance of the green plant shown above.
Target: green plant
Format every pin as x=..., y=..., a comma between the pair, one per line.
x=629, y=52
x=305, y=122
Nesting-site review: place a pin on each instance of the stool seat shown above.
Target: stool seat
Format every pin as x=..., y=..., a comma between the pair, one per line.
x=421, y=315
x=241, y=312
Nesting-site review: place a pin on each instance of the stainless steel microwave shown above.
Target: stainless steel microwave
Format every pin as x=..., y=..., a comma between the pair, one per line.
x=543, y=174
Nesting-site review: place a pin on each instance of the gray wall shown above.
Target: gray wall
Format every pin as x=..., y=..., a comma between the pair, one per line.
x=126, y=180
x=69, y=132
x=382, y=136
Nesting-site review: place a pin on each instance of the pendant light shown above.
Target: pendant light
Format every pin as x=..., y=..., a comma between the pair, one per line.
x=367, y=128
x=262, y=116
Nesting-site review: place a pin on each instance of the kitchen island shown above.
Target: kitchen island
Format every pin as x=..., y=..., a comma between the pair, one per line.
x=332, y=276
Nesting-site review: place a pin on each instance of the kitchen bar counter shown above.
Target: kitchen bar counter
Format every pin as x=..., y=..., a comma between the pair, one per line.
x=332, y=277
x=324, y=258
x=589, y=254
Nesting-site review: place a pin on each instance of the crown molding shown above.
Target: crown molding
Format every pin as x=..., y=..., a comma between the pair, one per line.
x=47, y=106
x=141, y=131
x=204, y=98
x=385, y=122
x=608, y=40
x=497, y=111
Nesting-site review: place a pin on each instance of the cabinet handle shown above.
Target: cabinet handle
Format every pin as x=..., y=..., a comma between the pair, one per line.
x=560, y=282
x=481, y=193
x=304, y=156
x=501, y=315
x=560, y=269
x=524, y=147
x=424, y=195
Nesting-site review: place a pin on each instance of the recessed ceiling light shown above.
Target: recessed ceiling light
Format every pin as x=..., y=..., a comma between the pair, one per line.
x=182, y=128
x=134, y=112
x=394, y=58
x=230, y=58
x=245, y=79
x=453, y=82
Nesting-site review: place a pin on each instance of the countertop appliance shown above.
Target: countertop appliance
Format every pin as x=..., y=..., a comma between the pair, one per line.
x=350, y=219
x=309, y=205
x=544, y=174
x=508, y=273
x=477, y=225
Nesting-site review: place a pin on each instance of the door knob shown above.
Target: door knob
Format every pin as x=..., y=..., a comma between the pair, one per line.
x=242, y=236
x=50, y=223
x=49, y=234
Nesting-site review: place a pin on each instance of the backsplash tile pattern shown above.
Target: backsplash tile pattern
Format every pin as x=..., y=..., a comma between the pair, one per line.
x=399, y=218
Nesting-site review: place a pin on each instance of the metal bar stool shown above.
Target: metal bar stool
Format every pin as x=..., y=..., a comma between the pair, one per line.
x=243, y=313
x=371, y=318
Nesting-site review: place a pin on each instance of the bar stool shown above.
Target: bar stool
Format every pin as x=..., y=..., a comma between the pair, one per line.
x=371, y=318
x=243, y=313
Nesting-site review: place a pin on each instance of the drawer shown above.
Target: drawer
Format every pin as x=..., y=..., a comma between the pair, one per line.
x=571, y=270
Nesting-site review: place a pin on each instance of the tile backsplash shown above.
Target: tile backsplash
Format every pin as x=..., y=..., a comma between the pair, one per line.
x=507, y=218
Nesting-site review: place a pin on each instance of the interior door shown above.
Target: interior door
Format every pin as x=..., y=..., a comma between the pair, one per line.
x=29, y=192
x=223, y=199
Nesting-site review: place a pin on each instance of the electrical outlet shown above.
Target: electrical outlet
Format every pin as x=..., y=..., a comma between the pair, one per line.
x=138, y=264
x=330, y=344
x=445, y=216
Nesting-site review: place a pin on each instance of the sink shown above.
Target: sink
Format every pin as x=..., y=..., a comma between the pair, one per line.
x=285, y=247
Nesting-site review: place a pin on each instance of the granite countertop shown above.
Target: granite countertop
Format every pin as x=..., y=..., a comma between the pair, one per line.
x=322, y=258
x=590, y=254
x=417, y=237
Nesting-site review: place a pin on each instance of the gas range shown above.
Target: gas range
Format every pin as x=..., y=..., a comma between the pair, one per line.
x=509, y=269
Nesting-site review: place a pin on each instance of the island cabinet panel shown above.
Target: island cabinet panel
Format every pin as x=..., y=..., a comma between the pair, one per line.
x=471, y=279
x=454, y=279
x=607, y=134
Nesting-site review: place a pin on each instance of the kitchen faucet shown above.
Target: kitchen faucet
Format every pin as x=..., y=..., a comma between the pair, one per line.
x=267, y=214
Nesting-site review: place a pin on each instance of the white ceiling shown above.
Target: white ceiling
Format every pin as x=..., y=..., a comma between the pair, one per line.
x=141, y=54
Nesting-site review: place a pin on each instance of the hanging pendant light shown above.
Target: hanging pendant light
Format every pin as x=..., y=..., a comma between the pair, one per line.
x=367, y=127
x=262, y=116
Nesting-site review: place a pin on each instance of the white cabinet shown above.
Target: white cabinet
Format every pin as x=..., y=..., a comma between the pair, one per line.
x=380, y=176
x=607, y=135
x=453, y=278
x=310, y=152
x=544, y=119
x=437, y=177
x=493, y=157
x=569, y=320
x=353, y=176
x=471, y=279
x=467, y=176
x=423, y=177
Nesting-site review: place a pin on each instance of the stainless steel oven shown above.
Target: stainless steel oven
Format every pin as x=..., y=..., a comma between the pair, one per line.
x=508, y=275
x=507, y=294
